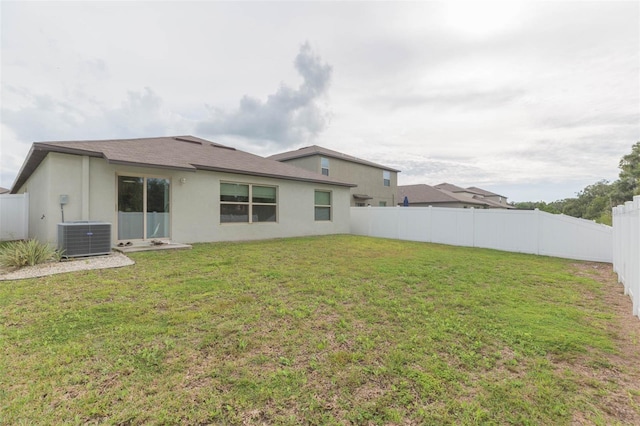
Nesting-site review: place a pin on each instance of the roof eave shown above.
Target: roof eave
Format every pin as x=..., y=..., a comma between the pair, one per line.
x=37, y=153
x=45, y=146
x=20, y=179
x=337, y=157
x=190, y=168
x=275, y=176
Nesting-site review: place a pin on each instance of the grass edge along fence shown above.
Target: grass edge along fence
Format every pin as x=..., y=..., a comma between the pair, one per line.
x=520, y=231
x=626, y=248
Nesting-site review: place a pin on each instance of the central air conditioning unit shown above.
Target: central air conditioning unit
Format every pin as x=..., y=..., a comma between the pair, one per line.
x=84, y=238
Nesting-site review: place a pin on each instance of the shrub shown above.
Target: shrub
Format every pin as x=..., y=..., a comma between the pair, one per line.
x=27, y=253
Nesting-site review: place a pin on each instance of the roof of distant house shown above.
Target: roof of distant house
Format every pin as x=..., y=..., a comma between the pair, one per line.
x=424, y=194
x=472, y=189
x=421, y=193
x=484, y=192
x=4, y=190
x=309, y=151
x=187, y=153
x=446, y=193
x=450, y=187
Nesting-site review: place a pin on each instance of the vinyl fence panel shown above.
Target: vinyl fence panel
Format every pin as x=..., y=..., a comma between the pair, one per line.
x=626, y=248
x=521, y=231
x=14, y=217
x=507, y=230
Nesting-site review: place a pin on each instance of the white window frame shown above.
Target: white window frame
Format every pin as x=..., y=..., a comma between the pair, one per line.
x=386, y=178
x=329, y=206
x=250, y=203
x=324, y=160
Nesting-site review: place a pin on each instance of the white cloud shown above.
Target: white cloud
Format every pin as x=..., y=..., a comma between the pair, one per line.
x=524, y=95
x=287, y=117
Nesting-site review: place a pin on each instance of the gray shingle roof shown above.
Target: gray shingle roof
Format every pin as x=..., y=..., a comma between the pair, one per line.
x=173, y=152
x=4, y=190
x=422, y=193
x=445, y=193
x=472, y=189
x=450, y=187
x=484, y=192
x=309, y=151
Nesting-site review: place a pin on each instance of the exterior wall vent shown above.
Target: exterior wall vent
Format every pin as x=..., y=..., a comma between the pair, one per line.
x=84, y=238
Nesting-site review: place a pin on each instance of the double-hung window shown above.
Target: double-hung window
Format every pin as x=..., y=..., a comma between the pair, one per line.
x=247, y=203
x=324, y=166
x=386, y=178
x=322, y=205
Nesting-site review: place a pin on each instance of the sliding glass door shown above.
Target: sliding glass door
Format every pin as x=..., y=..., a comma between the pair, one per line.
x=143, y=208
x=157, y=208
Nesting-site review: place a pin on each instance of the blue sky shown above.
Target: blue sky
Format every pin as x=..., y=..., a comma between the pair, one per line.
x=533, y=100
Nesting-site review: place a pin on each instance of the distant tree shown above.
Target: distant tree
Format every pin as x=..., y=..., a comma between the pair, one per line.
x=628, y=183
x=540, y=205
x=525, y=205
x=595, y=201
x=556, y=206
x=573, y=207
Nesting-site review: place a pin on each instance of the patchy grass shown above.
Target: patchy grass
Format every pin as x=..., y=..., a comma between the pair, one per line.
x=323, y=330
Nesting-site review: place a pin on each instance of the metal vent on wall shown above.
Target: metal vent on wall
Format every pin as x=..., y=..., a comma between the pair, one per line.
x=84, y=238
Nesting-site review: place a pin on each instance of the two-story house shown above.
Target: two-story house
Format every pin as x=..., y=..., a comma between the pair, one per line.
x=377, y=185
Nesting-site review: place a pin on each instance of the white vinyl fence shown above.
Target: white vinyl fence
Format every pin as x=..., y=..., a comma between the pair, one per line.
x=14, y=217
x=523, y=231
x=626, y=248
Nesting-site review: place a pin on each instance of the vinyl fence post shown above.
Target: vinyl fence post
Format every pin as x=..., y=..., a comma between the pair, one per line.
x=634, y=252
x=536, y=212
x=473, y=227
x=430, y=223
x=26, y=216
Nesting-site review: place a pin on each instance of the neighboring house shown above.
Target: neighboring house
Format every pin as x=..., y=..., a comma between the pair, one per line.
x=448, y=195
x=183, y=189
x=491, y=196
x=377, y=185
x=4, y=190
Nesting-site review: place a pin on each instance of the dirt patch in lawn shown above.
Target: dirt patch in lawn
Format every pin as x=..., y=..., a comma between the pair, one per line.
x=619, y=372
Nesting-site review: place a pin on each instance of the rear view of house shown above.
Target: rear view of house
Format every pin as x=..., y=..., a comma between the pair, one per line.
x=183, y=189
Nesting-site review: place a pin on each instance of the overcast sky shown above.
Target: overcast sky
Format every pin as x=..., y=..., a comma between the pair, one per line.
x=533, y=100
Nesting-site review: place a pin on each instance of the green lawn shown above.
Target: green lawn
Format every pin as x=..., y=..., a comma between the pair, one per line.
x=322, y=330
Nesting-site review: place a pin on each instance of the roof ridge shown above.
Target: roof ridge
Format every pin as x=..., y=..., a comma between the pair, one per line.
x=320, y=150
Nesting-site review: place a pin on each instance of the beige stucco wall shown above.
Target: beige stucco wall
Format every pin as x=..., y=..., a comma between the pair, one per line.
x=58, y=174
x=308, y=163
x=38, y=188
x=195, y=209
x=369, y=179
x=497, y=199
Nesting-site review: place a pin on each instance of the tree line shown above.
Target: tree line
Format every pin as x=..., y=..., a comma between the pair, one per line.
x=595, y=201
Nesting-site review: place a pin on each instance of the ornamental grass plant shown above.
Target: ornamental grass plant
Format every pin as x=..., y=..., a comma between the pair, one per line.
x=18, y=254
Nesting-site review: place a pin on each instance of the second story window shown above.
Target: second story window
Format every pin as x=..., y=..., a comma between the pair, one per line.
x=386, y=178
x=324, y=165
